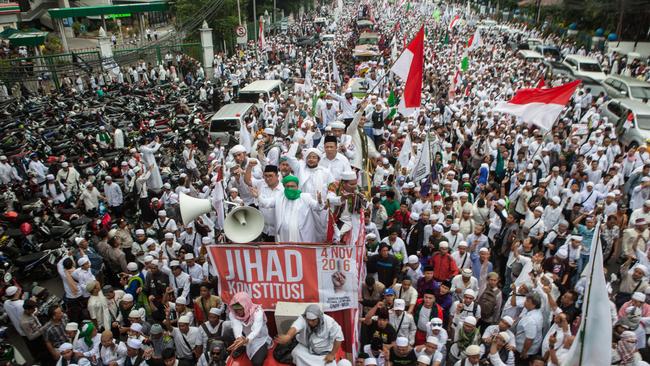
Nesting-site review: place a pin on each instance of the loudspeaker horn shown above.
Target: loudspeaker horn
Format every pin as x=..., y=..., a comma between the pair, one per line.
x=191, y=207
x=243, y=224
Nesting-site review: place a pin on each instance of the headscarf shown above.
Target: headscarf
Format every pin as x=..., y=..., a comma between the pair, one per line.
x=319, y=330
x=291, y=193
x=87, y=334
x=243, y=299
x=625, y=348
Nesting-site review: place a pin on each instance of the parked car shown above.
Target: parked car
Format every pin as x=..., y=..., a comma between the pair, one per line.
x=596, y=87
x=530, y=56
x=630, y=87
x=635, y=132
x=549, y=52
x=585, y=66
x=554, y=68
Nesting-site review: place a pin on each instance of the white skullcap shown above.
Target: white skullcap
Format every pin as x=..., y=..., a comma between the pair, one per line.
x=237, y=149
x=216, y=311
x=11, y=290
x=134, y=343
x=473, y=350
x=424, y=359
x=184, y=319
x=132, y=267
x=136, y=327
x=470, y=320
x=348, y=175
x=370, y=361
x=413, y=259
x=181, y=300
x=401, y=342
x=65, y=347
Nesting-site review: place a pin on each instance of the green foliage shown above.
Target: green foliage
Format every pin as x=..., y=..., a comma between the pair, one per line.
x=53, y=45
x=76, y=28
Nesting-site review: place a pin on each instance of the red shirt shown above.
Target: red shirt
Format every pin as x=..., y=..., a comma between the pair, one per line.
x=444, y=266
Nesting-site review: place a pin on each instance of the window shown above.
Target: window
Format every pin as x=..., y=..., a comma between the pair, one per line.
x=614, y=108
x=589, y=67
x=640, y=92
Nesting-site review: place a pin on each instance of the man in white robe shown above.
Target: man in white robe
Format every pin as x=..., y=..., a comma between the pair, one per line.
x=313, y=178
x=319, y=338
x=148, y=156
x=293, y=211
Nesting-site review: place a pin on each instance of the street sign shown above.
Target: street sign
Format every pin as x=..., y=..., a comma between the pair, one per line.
x=242, y=34
x=240, y=31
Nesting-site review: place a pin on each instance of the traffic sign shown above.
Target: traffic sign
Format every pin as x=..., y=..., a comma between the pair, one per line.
x=240, y=31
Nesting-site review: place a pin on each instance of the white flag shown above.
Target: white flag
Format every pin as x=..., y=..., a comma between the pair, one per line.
x=335, y=73
x=422, y=167
x=245, y=137
x=405, y=153
x=592, y=343
x=308, y=75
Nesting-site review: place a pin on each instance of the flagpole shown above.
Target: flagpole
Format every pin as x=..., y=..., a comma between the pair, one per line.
x=591, y=275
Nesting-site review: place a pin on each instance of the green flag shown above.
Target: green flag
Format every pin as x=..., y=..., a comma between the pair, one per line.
x=464, y=64
x=446, y=39
x=436, y=15
x=499, y=169
x=314, y=101
x=392, y=100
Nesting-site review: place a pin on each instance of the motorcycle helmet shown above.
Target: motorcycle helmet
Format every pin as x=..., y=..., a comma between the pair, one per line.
x=11, y=215
x=26, y=228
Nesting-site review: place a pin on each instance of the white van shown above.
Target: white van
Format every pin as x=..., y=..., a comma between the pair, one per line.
x=251, y=92
x=225, y=124
x=585, y=66
x=530, y=56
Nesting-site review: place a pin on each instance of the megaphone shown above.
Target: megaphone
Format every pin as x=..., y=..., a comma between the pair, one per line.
x=243, y=224
x=191, y=207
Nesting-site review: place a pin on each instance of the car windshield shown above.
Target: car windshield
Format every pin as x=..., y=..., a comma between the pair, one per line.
x=589, y=67
x=250, y=97
x=369, y=40
x=224, y=125
x=643, y=122
x=640, y=92
x=551, y=52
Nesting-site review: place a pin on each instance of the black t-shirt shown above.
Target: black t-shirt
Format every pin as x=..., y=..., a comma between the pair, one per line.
x=409, y=360
x=387, y=335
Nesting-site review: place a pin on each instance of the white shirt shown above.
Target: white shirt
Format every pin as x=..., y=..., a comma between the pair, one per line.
x=116, y=353
x=195, y=272
x=336, y=166
x=14, y=309
x=182, y=282
x=193, y=338
x=113, y=194
x=530, y=327
x=83, y=277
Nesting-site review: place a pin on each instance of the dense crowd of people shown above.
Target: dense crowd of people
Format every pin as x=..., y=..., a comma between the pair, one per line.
x=479, y=263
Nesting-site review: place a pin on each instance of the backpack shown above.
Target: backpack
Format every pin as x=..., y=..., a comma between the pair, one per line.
x=488, y=303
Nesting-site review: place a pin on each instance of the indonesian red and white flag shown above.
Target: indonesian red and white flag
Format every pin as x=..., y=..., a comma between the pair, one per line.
x=541, y=83
x=475, y=41
x=540, y=107
x=410, y=66
x=454, y=22
x=260, y=39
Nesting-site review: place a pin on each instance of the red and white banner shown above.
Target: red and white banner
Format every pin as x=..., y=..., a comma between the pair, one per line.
x=540, y=107
x=325, y=274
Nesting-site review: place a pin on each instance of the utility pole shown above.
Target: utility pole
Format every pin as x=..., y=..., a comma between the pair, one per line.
x=255, y=20
x=239, y=12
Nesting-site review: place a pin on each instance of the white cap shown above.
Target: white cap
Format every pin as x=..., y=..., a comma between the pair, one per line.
x=424, y=359
x=136, y=327
x=348, y=175
x=454, y=227
x=462, y=243
x=83, y=260
x=169, y=235
x=470, y=320
x=65, y=347
x=399, y=304
x=505, y=336
x=344, y=362
x=370, y=361
x=71, y=327
x=181, y=300
x=433, y=340
x=469, y=292
x=401, y=342
x=140, y=232
x=438, y=228
x=508, y=320
x=206, y=240
x=148, y=258
x=127, y=298
x=638, y=296
x=174, y=263
x=413, y=259
x=443, y=244
x=135, y=314
x=11, y=290
x=436, y=323
x=189, y=256
x=162, y=213
x=473, y=350
x=216, y=311
x=134, y=343
x=132, y=267
x=184, y=319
